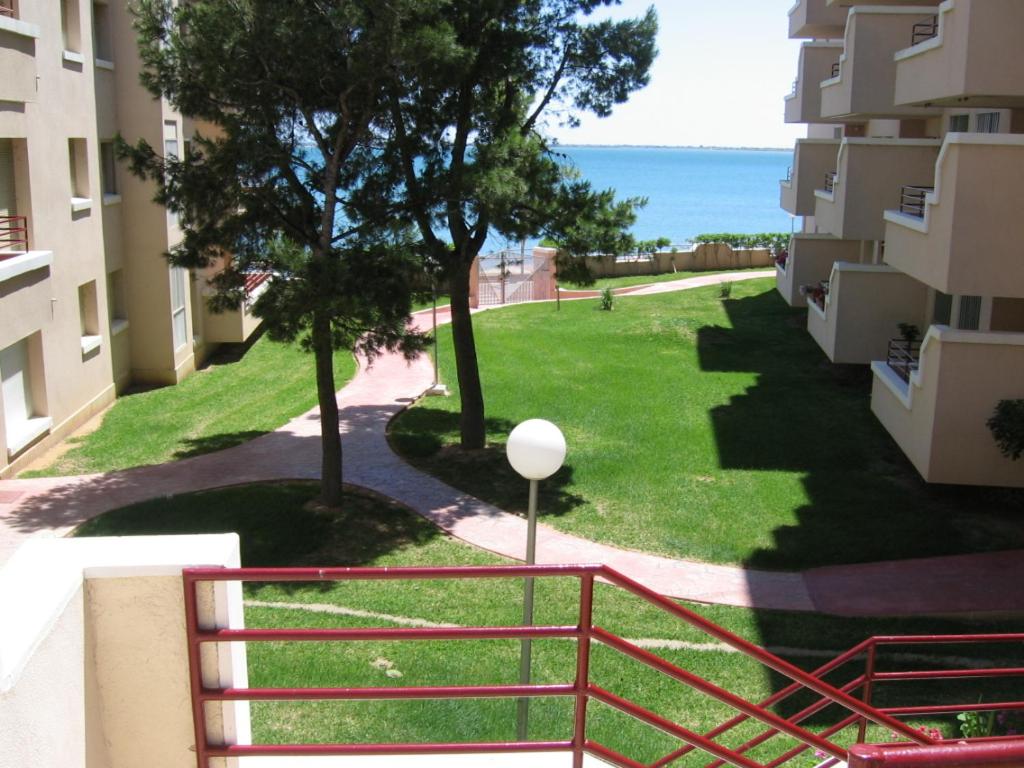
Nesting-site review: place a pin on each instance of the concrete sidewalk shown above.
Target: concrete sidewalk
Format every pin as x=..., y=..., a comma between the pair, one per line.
x=52, y=506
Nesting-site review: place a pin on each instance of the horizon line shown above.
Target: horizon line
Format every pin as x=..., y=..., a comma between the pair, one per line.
x=673, y=146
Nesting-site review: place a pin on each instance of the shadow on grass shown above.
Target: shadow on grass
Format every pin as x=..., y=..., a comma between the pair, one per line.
x=866, y=503
x=277, y=525
x=805, y=415
x=419, y=438
x=199, y=446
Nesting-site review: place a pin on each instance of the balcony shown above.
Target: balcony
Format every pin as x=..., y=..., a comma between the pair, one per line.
x=938, y=415
x=803, y=105
x=809, y=262
x=17, y=55
x=15, y=257
x=964, y=236
x=870, y=176
x=862, y=309
x=973, y=60
x=812, y=158
x=864, y=84
x=816, y=19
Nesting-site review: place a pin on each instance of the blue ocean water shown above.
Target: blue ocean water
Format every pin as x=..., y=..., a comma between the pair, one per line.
x=691, y=191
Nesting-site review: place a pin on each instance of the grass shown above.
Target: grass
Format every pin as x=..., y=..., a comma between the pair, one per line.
x=630, y=280
x=241, y=394
x=704, y=428
x=278, y=529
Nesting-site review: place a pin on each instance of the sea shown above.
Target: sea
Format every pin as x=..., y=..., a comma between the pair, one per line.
x=690, y=190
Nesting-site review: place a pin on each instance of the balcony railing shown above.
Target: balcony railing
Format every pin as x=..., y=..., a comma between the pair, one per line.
x=830, y=181
x=835, y=69
x=8, y=9
x=904, y=357
x=789, y=176
x=912, y=200
x=13, y=233
x=925, y=30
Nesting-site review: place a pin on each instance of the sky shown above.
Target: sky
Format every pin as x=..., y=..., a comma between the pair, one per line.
x=723, y=70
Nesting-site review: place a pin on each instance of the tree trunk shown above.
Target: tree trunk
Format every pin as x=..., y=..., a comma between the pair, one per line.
x=330, y=428
x=471, y=423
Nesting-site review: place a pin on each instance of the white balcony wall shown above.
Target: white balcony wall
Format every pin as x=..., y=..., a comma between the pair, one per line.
x=93, y=658
x=939, y=418
x=816, y=19
x=871, y=174
x=975, y=60
x=864, y=306
x=865, y=85
x=969, y=240
x=809, y=262
x=815, y=64
x=812, y=159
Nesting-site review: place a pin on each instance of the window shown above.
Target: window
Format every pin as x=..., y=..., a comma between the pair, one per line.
x=70, y=26
x=988, y=122
x=79, y=168
x=171, y=139
x=959, y=123
x=88, y=316
x=108, y=168
x=969, y=314
x=24, y=393
x=179, y=327
x=943, y=309
x=171, y=151
x=102, y=46
x=116, y=297
x=8, y=197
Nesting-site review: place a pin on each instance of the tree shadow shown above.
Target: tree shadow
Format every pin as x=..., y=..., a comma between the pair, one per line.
x=198, y=446
x=279, y=525
x=420, y=438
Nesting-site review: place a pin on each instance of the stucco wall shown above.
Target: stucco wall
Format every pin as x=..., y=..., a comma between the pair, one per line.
x=93, y=658
x=939, y=420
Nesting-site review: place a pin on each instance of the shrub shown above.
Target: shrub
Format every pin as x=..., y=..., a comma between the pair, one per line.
x=1007, y=426
x=725, y=289
x=775, y=242
x=607, y=299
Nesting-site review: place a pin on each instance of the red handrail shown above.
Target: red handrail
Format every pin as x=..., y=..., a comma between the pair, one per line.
x=859, y=710
x=13, y=232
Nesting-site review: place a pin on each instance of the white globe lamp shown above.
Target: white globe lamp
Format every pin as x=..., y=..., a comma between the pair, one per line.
x=536, y=449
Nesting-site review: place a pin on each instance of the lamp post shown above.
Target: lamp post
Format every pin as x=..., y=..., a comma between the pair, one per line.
x=536, y=450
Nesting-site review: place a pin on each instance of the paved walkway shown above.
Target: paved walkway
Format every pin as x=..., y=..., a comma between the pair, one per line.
x=52, y=506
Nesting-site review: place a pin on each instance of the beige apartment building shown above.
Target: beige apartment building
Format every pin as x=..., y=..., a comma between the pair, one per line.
x=88, y=304
x=909, y=189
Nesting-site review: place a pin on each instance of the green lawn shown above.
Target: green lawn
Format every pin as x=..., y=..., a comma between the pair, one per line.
x=625, y=282
x=700, y=427
x=233, y=399
x=277, y=530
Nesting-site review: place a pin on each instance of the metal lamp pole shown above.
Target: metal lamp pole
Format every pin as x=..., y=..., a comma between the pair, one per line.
x=536, y=450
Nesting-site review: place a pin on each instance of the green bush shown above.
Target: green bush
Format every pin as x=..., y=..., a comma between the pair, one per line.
x=776, y=242
x=607, y=299
x=1007, y=425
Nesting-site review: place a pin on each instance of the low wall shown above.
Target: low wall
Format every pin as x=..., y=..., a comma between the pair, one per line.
x=705, y=257
x=93, y=658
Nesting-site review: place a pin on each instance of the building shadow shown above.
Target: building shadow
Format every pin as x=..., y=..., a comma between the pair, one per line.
x=863, y=500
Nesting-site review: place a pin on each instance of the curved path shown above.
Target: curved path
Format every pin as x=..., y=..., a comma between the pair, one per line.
x=52, y=506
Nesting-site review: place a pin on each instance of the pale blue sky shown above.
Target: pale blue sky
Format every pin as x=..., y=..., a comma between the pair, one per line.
x=720, y=79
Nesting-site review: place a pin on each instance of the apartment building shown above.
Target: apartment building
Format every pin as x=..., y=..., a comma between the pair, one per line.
x=88, y=304
x=908, y=185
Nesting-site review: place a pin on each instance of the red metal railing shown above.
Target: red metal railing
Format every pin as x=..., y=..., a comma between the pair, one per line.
x=13, y=233
x=855, y=711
